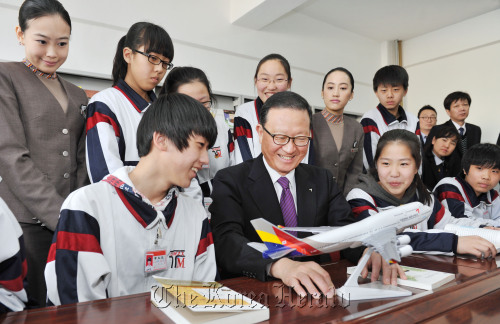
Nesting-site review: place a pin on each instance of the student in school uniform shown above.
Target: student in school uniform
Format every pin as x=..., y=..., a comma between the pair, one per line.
x=436, y=161
x=142, y=59
x=42, y=148
x=395, y=181
x=272, y=75
x=390, y=85
x=338, y=139
x=457, y=105
x=427, y=117
x=471, y=194
x=107, y=229
x=194, y=83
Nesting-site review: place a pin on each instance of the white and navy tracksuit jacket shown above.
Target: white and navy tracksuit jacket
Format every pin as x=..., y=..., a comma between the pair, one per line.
x=364, y=205
x=220, y=155
x=104, y=232
x=13, y=266
x=461, y=200
x=376, y=122
x=113, y=116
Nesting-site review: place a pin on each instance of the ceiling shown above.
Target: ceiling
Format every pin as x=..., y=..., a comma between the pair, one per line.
x=375, y=19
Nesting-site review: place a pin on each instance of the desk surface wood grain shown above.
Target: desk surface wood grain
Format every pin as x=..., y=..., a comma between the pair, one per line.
x=475, y=290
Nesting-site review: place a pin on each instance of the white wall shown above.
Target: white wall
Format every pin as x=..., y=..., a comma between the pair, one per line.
x=204, y=37
x=464, y=57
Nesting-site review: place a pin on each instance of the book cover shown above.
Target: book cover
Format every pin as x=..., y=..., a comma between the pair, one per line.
x=420, y=278
x=205, y=302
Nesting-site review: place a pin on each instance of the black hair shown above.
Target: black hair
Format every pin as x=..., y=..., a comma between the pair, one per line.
x=154, y=39
x=185, y=74
x=413, y=143
x=393, y=75
x=32, y=9
x=279, y=58
x=444, y=131
x=285, y=99
x=346, y=71
x=178, y=117
x=484, y=155
x=426, y=107
x=454, y=96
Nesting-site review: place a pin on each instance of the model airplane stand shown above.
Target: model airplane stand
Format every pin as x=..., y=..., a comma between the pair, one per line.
x=351, y=290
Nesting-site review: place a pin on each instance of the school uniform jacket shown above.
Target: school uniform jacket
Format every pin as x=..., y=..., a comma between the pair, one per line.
x=113, y=116
x=105, y=229
x=13, y=266
x=364, y=205
x=42, y=149
x=430, y=173
x=376, y=122
x=245, y=192
x=345, y=165
x=461, y=200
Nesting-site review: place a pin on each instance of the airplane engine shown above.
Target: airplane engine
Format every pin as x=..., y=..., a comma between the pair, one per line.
x=403, y=240
x=405, y=250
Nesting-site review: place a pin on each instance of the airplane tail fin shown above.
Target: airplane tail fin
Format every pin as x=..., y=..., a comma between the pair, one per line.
x=275, y=239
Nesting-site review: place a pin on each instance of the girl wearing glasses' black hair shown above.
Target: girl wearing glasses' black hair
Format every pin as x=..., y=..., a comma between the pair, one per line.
x=142, y=58
x=41, y=139
x=193, y=82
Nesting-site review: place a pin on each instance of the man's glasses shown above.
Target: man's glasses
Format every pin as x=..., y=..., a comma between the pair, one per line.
x=153, y=59
x=280, y=139
x=428, y=118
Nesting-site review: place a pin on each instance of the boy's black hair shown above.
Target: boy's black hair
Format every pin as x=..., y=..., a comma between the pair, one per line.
x=393, y=75
x=285, y=99
x=178, y=117
x=154, y=39
x=32, y=9
x=426, y=107
x=454, y=96
x=484, y=155
x=413, y=143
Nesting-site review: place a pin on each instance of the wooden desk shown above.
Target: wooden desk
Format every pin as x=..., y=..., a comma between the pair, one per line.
x=476, y=290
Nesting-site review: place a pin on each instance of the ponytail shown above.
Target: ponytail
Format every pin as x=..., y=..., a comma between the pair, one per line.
x=119, y=64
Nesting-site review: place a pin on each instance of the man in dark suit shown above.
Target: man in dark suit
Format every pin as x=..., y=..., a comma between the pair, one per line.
x=253, y=190
x=457, y=105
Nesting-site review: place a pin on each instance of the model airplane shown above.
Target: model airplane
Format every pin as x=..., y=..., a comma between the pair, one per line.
x=377, y=232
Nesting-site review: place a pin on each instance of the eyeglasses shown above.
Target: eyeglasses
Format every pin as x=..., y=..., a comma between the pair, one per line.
x=428, y=118
x=207, y=104
x=153, y=59
x=268, y=81
x=280, y=139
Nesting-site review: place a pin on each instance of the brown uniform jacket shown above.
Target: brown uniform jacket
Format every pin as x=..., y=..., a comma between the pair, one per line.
x=42, y=149
x=345, y=165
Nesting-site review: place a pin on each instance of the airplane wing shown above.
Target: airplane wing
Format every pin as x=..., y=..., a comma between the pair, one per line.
x=385, y=243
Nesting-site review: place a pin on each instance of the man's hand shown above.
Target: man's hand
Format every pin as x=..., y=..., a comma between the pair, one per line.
x=390, y=272
x=477, y=246
x=300, y=275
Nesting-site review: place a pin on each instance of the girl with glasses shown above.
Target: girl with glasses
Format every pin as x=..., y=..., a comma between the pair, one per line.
x=141, y=61
x=193, y=82
x=271, y=76
x=41, y=132
x=338, y=139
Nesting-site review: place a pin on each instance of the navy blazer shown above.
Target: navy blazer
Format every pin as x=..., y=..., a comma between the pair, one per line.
x=245, y=191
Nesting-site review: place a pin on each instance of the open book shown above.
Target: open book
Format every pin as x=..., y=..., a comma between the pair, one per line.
x=205, y=302
x=419, y=278
x=488, y=234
